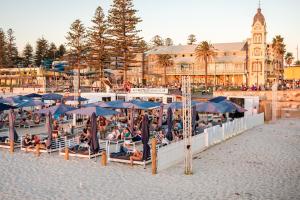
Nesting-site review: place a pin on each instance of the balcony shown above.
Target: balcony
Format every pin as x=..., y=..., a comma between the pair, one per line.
x=201, y=71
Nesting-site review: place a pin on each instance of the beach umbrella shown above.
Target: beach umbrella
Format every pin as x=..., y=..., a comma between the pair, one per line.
x=217, y=99
x=13, y=136
x=210, y=107
x=178, y=105
x=161, y=112
x=94, y=142
x=30, y=103
x=4, y=106
x=49, y=129
x=169, y=135
x=57, y=110
x=13, y=100
x=194, y=114
x=52, y=96
x=232, y=107
x=74, y=98
x=119, y=104
x=90, y=110
x=145, y=137
x=144, y=105
x=33, y=95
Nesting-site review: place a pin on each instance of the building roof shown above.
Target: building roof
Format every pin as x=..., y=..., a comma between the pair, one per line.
x=259, y=17
x=189, y=49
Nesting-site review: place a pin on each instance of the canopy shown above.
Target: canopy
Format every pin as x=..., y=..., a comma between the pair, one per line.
x=217, y=99
x=6, y=107
x=33, y=95
x=144, y=105
x=52, y=96
x=210, y=107
x=119, y=104
x=74, y=98
x=13, y=100
x=231, y=107
x=136, y=104
x=57, y=110
x=30, y=103
x=178, y=105
x=90, y=110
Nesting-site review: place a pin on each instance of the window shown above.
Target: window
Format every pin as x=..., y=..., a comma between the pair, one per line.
x=256, y=67
x=191, y=55
x=183, y=55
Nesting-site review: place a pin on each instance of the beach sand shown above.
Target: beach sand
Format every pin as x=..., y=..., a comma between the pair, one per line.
x=262, y=163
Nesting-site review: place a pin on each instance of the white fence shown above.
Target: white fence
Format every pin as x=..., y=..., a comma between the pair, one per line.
x=174, y=153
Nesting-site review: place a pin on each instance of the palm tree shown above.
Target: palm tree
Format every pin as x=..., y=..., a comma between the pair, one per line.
x=205, y=52
x=164, y=60
x=289, y=58
x=279, y=50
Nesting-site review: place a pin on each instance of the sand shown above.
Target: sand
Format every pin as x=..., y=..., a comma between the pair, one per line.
x=262, y=163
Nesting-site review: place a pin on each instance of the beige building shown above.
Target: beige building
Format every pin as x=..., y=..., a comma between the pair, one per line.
x=249, y=62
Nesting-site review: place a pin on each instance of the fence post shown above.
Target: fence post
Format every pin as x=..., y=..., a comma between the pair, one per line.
x=206, y=137
x=66, y=153
x=154, y=156
x=37, y=148
x=11, y=146
x=104, y=158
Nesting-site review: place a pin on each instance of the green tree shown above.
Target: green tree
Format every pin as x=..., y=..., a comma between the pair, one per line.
x=157, y=41
x=3, y=49
x=98, y=43
x=164, y=60
x=289, y=58
x=41, y=51
x=52, y=51
x=205, y=52
x=122, y=21
x=28, y=55
x=279, y=50
x=191, y=39
x=12, y=51
x=169, y=42
x=61, y=51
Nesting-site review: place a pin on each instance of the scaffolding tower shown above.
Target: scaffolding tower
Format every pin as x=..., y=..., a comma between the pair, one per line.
x=187, y=122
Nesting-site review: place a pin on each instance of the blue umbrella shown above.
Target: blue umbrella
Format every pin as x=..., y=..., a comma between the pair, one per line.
x=217, y=99
x=169, y=135
x=94, y=142
x=90, y=110
x=33, y=95
x=210, y=107
x=178, y=105
x=57, y=110
x=30, y=103
x=6, y=107
x=119, y=104
x=144, y=105
x=52, y=96
x=13, y=100
x=74, y=98
x=231, y=107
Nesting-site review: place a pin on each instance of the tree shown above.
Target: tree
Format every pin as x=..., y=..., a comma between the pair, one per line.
x=12, y=51
x=191, y=39
x=77, y=42
x=205, y=52
x=28, y=55
x=122, y=21
x=41, y=51
x=143, y=48
x=98, y=42
x=3, y=49
x=52, y=51
x=61, y=51
x=289, y=58
x=164, y=60
x=168, y=42
x=157, y=41
x=279, y=50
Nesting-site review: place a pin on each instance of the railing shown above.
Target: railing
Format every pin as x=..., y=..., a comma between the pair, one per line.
x=174, y=153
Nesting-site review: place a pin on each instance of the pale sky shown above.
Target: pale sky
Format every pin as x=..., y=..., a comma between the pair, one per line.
x=212, y=20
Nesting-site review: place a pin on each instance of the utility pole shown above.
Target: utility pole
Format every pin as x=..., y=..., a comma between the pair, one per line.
x=187, y=123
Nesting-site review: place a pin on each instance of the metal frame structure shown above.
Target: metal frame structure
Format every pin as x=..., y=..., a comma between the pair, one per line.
x=187, y=123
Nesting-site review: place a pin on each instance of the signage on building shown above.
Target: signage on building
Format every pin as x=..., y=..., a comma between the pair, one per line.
x=149, y=90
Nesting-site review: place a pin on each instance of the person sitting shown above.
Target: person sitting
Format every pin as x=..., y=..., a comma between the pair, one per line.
x=27, y=140
x=114, y=134
x=138, y=136
x=36, y=140
x=137, y=155
x=125, y=133
x=83, y=135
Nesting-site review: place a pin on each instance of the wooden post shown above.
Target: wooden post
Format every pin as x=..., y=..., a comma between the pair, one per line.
x=153, y=156
x=66, y=153
x=37, y=149
x=11, y=146
x=104, y=158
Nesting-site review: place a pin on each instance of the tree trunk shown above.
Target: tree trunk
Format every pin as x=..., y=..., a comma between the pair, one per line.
x=205, y=60
x=125, y=67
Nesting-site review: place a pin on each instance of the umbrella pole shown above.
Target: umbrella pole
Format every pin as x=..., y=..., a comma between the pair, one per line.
x=11, y=146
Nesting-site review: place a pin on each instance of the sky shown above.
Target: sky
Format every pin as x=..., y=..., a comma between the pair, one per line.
x=212, y=20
